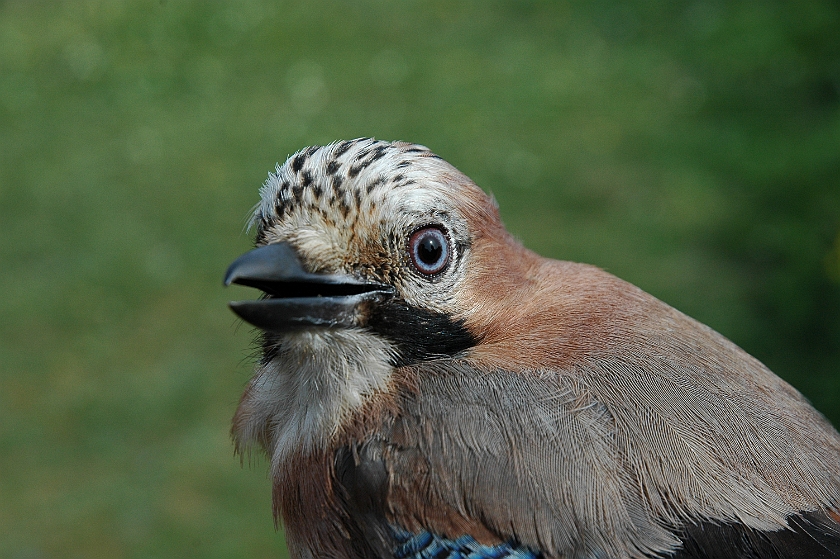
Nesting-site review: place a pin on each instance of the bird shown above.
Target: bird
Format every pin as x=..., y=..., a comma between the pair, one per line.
x=427, y=387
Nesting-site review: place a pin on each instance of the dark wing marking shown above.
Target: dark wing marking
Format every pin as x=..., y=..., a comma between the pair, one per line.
x=812, y=535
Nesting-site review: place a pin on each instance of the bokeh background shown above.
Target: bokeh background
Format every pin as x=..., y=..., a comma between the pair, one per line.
x=691, y=147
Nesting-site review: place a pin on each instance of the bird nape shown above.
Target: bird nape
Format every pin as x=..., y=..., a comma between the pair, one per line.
x=430, y=388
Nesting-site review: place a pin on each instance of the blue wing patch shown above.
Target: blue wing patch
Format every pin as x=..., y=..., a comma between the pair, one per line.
x=429, y=546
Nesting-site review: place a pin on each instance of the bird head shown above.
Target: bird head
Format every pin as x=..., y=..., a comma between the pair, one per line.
x=372, y=256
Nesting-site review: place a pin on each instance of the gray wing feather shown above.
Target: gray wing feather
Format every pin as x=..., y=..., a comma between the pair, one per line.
x=612, y=456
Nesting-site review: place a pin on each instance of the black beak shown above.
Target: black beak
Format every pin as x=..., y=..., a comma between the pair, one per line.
x=296, y=299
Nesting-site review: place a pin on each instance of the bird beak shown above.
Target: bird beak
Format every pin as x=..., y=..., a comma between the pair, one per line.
x=296, y=299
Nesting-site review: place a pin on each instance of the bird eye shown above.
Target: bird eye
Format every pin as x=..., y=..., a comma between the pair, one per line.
x=429, y=250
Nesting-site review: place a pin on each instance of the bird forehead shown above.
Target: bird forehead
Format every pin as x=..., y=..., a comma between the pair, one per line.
x=356, y=184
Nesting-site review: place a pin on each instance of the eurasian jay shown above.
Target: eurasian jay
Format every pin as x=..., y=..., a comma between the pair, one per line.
x=429, y=388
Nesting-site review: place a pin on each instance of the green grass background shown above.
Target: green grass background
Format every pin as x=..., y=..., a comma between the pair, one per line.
x=692, y=148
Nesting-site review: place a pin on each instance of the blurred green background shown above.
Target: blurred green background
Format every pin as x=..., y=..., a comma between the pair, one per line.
x=692, y=148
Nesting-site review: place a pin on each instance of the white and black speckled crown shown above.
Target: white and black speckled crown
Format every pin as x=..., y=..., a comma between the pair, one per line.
x=343, y=179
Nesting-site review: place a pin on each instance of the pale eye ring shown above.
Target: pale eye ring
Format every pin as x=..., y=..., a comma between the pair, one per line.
x=429, y=250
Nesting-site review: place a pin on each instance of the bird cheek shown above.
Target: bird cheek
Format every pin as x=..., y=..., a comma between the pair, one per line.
x=517, y=318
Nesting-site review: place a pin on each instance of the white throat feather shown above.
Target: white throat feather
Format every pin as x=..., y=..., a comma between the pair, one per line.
x=299, y=399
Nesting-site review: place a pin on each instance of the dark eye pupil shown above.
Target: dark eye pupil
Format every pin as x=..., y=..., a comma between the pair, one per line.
x=430, y=250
